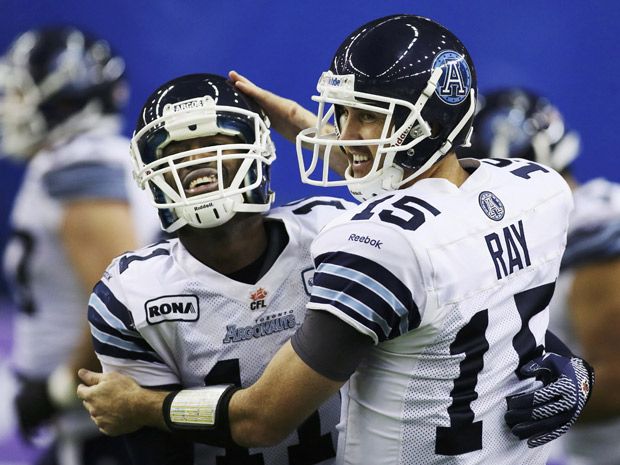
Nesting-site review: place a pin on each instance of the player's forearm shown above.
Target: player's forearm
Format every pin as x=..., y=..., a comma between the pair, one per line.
x=149, y=407
x=285, y=395
x=253, y=426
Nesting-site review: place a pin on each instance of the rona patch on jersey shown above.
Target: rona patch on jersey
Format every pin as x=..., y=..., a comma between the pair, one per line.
x=172, y=308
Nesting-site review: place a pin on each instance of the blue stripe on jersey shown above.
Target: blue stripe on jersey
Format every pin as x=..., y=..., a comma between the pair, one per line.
x=374, y=327
x=365, y=288
x=113, y=305
x=351, y=303
x=106, y=344
x=592, y=244
x=98, y=322
x=108, y=315
x=87, y=181
x=105, y=318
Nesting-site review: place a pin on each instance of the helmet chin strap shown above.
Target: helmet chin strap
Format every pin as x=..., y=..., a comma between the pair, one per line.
x=388, y=181
x=210, y=214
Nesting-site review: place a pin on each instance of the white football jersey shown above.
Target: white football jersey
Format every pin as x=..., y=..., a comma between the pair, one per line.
x=47, y=290
x=453, y=285
x=162, y=317
x=593, y=235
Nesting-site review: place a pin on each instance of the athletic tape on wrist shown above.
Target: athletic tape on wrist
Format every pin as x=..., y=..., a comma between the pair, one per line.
x=196, y=406
x=200, y=415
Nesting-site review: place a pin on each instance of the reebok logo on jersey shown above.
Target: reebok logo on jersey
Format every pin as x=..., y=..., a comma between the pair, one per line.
x=366, y=240
x=172, y=308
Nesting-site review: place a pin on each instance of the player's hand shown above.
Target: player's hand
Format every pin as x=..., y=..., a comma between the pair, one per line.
x=546, y=413
x=34, y=407
x=287, y=116
x=112, y=400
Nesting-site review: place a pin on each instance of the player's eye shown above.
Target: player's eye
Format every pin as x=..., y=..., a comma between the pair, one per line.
x=370, y=117
x=343, y=116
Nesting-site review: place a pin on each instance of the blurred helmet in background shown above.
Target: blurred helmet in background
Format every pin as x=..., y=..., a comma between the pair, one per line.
x=518, y=123
x=54, y=83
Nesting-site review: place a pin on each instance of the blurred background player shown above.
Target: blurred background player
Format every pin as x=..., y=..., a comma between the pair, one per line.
x=61, y=91
x=213, y=305
x=518, y=123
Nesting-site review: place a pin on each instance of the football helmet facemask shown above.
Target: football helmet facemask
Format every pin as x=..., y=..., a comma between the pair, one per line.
x=54, y=83
x=198, y=106
x=517, y=123
x=414, y=72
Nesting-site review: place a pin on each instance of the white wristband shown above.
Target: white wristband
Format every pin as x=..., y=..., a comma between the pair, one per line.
x=196, y=407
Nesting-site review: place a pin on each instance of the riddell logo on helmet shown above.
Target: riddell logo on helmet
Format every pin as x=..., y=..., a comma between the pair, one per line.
x=202, y=207
x=403, y=135
x=334, y=81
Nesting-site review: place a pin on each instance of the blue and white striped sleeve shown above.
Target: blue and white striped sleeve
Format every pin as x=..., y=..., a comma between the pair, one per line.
x=365, y=294
x=89, y=180
x=112, y=328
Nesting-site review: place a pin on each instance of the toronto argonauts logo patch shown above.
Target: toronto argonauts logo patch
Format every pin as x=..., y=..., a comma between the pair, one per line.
x=455, y=81
x=491, y=205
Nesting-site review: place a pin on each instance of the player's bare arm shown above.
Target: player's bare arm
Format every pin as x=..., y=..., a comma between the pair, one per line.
x=284, y=396
x=93, y=233
x=261, y=415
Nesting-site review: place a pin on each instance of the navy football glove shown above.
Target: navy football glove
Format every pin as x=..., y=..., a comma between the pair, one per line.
x=544, y=414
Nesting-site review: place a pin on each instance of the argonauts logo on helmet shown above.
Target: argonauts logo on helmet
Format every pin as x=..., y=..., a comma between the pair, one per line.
x=455, y=82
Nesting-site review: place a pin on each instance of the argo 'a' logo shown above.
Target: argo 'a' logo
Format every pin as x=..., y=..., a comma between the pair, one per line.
x=491, y=205
x=172, y=308
x=455, y=81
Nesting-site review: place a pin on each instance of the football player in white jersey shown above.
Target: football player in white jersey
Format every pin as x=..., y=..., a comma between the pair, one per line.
x=518, y=123
x=61, y=93
x=214, y=305
x=428, y=297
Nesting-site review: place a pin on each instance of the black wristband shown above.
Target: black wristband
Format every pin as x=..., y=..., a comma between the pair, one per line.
x=214, y=434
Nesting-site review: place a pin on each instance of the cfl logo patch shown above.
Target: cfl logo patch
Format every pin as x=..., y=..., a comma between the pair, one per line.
x=258, y=299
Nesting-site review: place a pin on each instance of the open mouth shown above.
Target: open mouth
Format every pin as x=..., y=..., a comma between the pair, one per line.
x=200, y=181
x=360, y=164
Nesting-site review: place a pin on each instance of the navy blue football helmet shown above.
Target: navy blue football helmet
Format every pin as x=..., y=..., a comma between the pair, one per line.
x=198, y=106
x=54, y=83
x=416, y=73
x=518, y=123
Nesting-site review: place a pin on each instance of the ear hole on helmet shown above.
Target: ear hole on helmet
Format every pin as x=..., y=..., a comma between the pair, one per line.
x=436, y=129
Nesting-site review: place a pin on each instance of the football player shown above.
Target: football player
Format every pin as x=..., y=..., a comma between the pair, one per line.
x=213, y=305
x=61, y=93
x=427, y=297
x=518, y=123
